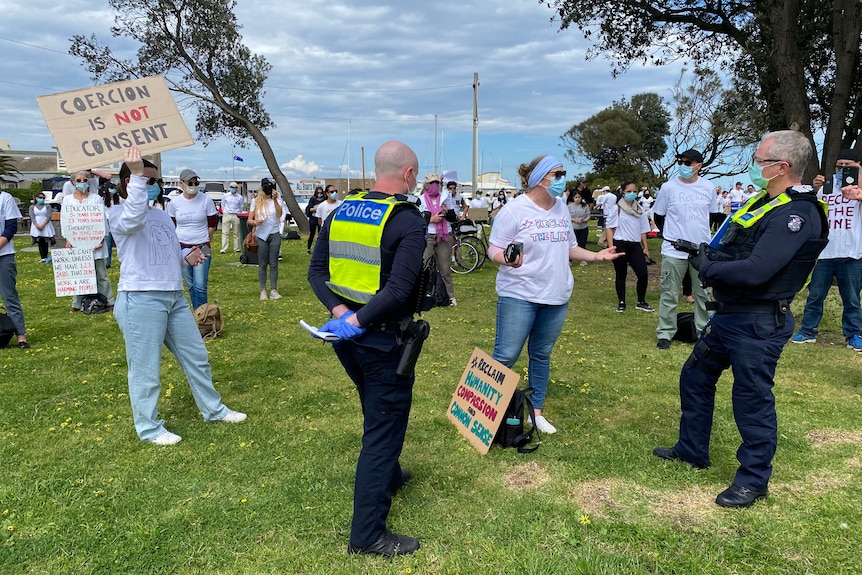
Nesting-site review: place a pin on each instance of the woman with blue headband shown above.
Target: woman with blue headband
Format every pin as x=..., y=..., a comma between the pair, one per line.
x=533, y=242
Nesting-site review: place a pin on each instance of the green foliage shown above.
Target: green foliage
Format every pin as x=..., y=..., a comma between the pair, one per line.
x=623, y=139
x=199, y=41
x=799, y=60
x=81, y=495
x=7, y=166
x=25, y=196
x=197, y=46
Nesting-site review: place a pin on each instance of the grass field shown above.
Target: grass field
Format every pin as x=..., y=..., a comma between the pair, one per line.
x=79, y=494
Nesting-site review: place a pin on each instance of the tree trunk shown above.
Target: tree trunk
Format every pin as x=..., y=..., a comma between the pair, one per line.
x=280, y=178
x=785, y=57
x=846, y=28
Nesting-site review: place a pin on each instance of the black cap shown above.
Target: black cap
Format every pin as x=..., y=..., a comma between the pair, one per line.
x=692, y=154
x=848, y=154
x=266, y=181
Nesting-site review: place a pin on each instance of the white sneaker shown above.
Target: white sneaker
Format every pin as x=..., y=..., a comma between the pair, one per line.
x=543, y=425
x=452, y=302
x=583, y=263
x=274, y=295
x=167, y=438
x=223, y=252
x=263, y=294
x=234, y=417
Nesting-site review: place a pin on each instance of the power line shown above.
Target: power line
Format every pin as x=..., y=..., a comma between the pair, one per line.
x=35, y=46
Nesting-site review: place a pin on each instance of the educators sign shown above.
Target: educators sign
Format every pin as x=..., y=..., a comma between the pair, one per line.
x=479, y=403
x=74, y=271
x=83, y=224
x=93, y=126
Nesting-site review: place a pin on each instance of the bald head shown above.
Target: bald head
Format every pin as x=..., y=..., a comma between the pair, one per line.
x=395, y=165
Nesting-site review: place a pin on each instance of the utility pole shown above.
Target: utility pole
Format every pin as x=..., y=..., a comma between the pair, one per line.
x=475, y=132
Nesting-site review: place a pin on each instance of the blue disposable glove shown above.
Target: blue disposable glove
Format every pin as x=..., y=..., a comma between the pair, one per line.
x=328, y=325
x=346, y=330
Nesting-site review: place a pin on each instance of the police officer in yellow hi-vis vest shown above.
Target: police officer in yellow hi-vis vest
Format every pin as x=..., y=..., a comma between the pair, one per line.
x=366, y=270
x=755, y=265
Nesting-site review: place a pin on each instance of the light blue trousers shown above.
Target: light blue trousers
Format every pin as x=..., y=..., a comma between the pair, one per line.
x=149, y=319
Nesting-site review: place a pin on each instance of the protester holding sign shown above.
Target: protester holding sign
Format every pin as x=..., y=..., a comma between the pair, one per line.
x=532, y=240
x=95, y=205
x=196, y=219
x=151, y=309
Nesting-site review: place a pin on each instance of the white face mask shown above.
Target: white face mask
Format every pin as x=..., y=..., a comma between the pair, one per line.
x=191, y=190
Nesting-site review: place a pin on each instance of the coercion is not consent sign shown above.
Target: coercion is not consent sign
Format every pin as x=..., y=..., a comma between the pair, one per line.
x=94, y=126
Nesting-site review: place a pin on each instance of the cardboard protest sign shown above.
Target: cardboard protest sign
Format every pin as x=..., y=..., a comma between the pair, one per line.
x=74, y=271
x=481, y=398
x=93, y=126
x=83, y=224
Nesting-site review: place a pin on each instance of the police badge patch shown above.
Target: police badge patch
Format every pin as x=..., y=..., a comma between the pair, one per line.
x=794, y=223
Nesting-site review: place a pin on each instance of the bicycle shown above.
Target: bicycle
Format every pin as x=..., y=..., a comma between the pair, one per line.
x=465, y=234
x=465, y=257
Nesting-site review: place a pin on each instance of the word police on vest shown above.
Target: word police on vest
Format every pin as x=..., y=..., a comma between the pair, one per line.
x=361, y=212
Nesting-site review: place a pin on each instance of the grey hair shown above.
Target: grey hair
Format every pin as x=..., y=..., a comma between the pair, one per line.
x=792, y=147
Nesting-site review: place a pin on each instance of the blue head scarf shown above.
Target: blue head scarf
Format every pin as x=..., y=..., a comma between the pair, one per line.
x=543, y=167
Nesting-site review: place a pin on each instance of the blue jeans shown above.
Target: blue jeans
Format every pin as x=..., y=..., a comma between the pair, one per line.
x=750, y=344
x=519, y=320
x=849, y=274
x=148, y=320
x=197, y=278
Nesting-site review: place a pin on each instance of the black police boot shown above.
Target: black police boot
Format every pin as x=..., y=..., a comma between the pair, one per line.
x=390, y=545
x=738, y=497
x=670, y=454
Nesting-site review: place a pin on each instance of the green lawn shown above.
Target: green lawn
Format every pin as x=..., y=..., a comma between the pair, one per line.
x=80, y=494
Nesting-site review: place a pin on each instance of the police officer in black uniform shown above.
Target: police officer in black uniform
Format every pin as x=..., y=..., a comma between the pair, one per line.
x=755, y=269
x=367, y=308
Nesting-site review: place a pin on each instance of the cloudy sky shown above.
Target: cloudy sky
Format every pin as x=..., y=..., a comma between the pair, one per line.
x=348, y=75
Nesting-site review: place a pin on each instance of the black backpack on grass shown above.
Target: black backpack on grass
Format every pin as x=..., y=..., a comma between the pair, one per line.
x=7, y=330
x=511, y=430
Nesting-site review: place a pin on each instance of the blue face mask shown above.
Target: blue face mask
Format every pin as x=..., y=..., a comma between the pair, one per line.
x=153, y=192
x=558, y=187
x=333, y=195
x=112, y=191
x=686, y=172
x=82, y=186
x=631, y=196
x=40, y=201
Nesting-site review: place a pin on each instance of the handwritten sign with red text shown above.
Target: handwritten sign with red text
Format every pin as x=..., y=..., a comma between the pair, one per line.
x=74, y=271
x=93, y=126
x=479, y=403
x=83, y=224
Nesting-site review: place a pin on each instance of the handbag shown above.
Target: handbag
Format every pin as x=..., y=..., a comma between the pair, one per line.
x=249, y=244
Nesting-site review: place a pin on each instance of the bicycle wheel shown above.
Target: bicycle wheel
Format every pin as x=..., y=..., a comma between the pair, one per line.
x=465, y=258
x=479, y=246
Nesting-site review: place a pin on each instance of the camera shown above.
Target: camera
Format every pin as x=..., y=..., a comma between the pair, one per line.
x=686, y=246
x=512, y=252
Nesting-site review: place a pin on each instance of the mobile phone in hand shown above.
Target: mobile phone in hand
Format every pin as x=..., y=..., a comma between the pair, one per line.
x=205, y=250
x=850, y=176
x=191, y=262
x=512, y=252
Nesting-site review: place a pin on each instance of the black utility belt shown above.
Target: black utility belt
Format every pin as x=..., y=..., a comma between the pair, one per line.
x=772, y=307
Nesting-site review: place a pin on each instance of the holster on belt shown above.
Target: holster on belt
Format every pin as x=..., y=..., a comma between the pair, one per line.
x=411, y=337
